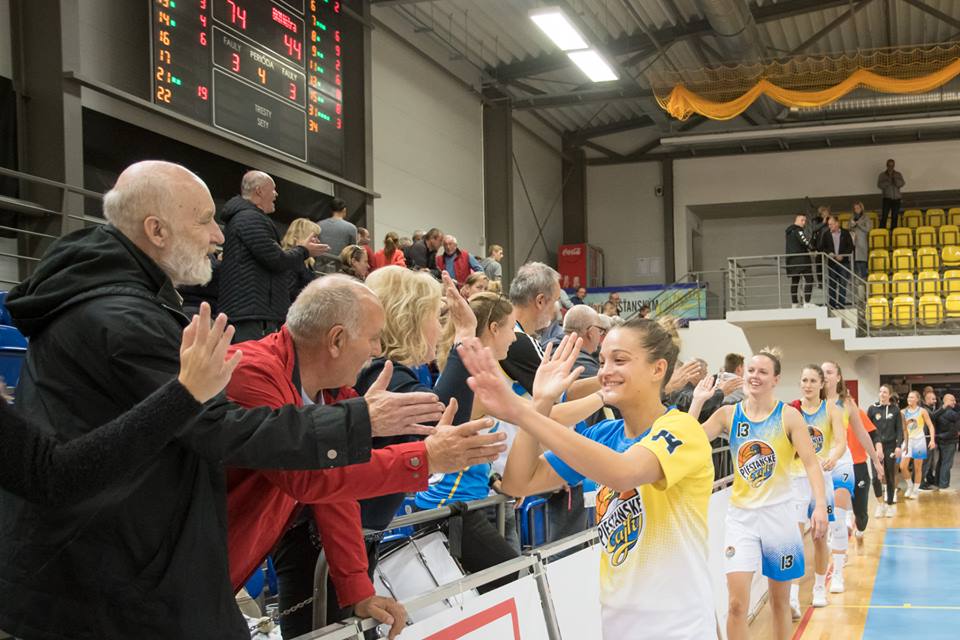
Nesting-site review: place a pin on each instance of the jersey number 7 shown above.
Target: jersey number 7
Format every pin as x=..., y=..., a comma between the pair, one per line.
x=672, y=442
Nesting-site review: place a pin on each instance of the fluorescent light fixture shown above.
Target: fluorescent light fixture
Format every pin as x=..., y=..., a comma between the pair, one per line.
x=593, y=65
x=555, y=24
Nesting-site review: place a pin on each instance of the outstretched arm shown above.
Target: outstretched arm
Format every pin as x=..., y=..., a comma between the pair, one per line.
x=800, y=437
x=839, y=437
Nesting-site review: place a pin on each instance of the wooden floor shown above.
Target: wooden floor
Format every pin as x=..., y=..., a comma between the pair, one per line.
x=846, y=614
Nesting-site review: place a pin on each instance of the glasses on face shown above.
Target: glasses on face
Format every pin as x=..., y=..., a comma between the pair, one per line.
x=602, y=330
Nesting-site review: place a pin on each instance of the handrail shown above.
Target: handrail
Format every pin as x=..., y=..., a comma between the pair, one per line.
x=438, y=513
x=29, y=177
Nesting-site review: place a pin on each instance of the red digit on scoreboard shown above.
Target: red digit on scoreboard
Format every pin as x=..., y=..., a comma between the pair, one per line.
x=235, y=62
x=292, y=94
x=238, y=15
x=294, y=48
x=202, y=92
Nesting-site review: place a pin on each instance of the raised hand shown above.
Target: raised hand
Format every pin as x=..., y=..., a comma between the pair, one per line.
x=704, y=389
x=453, y=448
x=204, y=368
x=487, y=382
x=556, y=373
x=396, y=414
x=462, y=316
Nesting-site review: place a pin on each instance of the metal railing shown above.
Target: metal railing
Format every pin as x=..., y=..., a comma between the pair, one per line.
x=817, y=279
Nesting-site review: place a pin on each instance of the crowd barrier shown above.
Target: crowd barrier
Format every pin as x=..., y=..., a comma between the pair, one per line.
x=555, y=598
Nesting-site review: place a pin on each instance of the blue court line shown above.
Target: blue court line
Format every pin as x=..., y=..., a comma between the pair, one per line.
x=915, y=592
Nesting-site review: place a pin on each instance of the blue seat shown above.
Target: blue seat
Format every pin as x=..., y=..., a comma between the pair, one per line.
x=401, y=533
x=533, y=523
x=5, y=317
x=13, y=351
x=263, y=575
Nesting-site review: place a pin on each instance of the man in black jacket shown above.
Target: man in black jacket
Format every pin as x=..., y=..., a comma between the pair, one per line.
x=799, y=265
x=422, y=254
x=147, y=558
x=838, y=245
x=947, y=420
x=256, y=273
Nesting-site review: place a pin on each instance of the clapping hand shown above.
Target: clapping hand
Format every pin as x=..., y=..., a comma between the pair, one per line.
x=487, y=382
x=204, y=368
x=462, y=316
x=704, y=389
x=393, y=414
x=556, y=371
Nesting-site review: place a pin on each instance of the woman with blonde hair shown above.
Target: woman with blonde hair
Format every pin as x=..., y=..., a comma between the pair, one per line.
x=300, y=230
x=390, y=254
x=353, y=262
x=475, y=283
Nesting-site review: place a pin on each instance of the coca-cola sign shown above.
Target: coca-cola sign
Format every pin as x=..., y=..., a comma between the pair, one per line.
x=571, y=251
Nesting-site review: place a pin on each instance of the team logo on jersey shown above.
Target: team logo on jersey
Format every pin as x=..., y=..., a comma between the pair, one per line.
x=756, y=461
x=731, y=551
x=620, y=520
x=817, y=437
x=877, y=416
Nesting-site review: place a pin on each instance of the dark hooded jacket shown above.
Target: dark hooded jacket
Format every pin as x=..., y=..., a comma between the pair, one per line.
x=257, y=275
x=146, y=557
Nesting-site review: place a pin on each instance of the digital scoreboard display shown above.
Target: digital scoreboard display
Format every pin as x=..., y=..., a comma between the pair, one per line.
x=269, y=71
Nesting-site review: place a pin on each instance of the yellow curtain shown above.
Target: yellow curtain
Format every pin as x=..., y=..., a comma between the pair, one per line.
x=682, y=103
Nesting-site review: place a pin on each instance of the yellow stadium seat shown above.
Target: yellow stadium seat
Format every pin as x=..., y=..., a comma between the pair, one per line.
x=930, y=311
x=878, y=285
x=879, y=239
x=878, y=312
x=952, y=306
x=928, y=258
x=935, y=217
x=902, y=238
x=879, y=261
x=902, y=284
x=926, y=237
x=951, y=281
x=844, y=219
x=953, y=216
x=912, y=218
x=874, y=219
x=951, y=256
x=904, y=311
x=902, y=260
x=928, y=283
x=949, y=234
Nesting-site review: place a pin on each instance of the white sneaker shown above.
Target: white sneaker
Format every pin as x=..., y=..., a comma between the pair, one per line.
x=891, y=511
x=909, y=493
x=795, y=612
x=836, y=584
x=820, y=596
x=859, y=536
x=880, y=511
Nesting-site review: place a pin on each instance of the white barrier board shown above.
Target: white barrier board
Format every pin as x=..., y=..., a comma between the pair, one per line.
x=575, y=590
x=511, y=612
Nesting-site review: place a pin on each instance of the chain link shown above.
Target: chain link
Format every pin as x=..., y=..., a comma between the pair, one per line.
x=293, y=609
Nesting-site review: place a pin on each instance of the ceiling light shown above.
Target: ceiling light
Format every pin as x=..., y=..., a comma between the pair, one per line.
x=593, y=64
x=555, y=24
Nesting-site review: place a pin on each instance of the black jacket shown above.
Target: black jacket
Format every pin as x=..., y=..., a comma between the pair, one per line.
x=256, y=275
x=798, y=248
x=886, y=418
x=419, y=256
x=947, y=421
x=146, y=558
x=825, y=244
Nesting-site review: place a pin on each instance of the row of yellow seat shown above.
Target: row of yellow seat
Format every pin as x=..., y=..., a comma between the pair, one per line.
x=906, y=311
x=912, y=218
x=925, y=259
x=904, y=284
x=906, y=238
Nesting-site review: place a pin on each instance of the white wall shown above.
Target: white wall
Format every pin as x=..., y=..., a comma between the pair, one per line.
x=6, y=62
x=539, y=166
x=754, y=236
x=928, y=166
x=625, y=219
x=427, y=148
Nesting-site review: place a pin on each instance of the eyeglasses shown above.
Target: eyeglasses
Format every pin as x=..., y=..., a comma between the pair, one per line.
x=602, y=330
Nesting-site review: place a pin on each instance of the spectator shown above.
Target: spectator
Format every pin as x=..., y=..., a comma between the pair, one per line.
x=332, y=330
x=931, y=478
x=256, y=272
x=890, y=182
x=799, y=262
x=586, y=323
x=363, y=239
x=491, y=264
x=948, y=433
x=475, y=283
x=390, y=254
x=195, y=295
x=337, y=232
x=644, y=311
x=455, y=261
x=417, y=235
x=732, y=370
x=301, y=230
x=614, y=299
x=353, y=262
x=495, y=286
x=104, y=323
x=860, y=225
x=679, y=390
x=838, y=245
x=580, y=296
x=424, y=252
x=554, y=330
x=610, y=309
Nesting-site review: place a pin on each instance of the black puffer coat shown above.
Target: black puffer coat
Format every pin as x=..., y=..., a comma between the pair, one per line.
x=257, y=274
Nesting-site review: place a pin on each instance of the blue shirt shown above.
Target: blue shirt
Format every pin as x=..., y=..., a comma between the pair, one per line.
x=609, y=433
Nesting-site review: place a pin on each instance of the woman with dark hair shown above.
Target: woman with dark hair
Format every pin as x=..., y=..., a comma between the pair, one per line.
x=390, y=254
x=885, y=415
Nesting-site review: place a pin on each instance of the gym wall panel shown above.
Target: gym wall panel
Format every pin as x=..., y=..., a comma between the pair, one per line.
x=753, y=236
x=538, y=167
x=427, y=148
x=625, y=219
x=6, y=54
x=926, y=166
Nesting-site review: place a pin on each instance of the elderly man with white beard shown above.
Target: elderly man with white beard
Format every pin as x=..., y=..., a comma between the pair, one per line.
x=148, y=557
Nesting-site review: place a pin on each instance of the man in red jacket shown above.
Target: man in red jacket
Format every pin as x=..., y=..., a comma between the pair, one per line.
x=332, y=330
x=455, y=261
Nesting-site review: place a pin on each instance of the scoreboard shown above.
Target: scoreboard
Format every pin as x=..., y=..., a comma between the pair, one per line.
x=270, y=71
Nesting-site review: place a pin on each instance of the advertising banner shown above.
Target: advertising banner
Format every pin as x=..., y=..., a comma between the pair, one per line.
x=687, y=301
x=575, y=589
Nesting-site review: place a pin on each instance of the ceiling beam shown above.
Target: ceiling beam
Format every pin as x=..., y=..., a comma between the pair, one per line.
x=640, y=42
x=610, y=153
x=581, y=135
x=578, y=98
x=939, y=15
x=833, y=24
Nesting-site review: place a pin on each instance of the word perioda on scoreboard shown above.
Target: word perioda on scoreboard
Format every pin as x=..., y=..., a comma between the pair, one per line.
x=269, y=71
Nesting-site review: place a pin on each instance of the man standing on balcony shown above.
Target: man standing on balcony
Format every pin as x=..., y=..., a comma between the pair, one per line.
x=799, y=265
x=838, y=245
x=890, y=182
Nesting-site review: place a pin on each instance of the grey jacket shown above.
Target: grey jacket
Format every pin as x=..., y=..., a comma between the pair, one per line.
x=890, y=187
x=860, y=230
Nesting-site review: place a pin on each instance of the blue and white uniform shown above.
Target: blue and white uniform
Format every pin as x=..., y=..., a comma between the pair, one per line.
x=916, y=442
x=842, y=474
x=821, y=434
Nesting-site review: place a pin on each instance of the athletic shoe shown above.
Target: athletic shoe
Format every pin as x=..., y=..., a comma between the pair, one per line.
x=926, y=487
x=859, y=536
x=836, y=584
x=891, y=511
x=795, y=612
x=910, y=493
x=820, y=596
x=879, y=511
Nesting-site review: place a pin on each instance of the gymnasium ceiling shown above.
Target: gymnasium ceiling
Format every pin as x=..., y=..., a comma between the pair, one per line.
x=620, y=121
